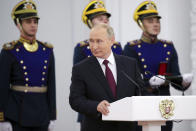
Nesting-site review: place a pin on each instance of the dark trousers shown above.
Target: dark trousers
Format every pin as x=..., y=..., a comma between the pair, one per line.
x=167, y=127
x=17, y=127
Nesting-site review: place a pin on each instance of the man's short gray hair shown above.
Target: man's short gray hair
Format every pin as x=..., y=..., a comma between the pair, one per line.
x=108, y=28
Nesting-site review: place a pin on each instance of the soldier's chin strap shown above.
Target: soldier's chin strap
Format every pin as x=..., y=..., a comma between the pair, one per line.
x=141, y=25
x=19, y=24
x=90, y=24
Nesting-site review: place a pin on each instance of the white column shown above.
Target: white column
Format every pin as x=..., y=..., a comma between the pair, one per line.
x=193, y=53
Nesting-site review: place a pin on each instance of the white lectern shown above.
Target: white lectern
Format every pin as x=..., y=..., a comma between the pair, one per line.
x=152, y=111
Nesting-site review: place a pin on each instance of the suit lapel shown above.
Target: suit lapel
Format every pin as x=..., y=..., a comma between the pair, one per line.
x=97, y=71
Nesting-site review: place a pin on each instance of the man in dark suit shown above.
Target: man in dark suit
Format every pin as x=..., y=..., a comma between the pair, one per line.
x=94, y=13
x=100, y=79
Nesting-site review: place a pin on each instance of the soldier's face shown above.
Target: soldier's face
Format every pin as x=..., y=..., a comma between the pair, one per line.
x=29, y=27
x=100, y=19
x=100, y=43
x=152, y=25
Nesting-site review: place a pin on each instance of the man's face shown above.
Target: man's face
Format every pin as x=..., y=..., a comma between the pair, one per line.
x=100, y=19
x=152, y=25
x=29, y=27
x=100, y=43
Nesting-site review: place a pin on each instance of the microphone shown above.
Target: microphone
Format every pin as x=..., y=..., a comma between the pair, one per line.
x=132, y=81
x=169, y=80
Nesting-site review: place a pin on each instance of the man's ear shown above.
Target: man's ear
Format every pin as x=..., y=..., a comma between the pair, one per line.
x=113, y=39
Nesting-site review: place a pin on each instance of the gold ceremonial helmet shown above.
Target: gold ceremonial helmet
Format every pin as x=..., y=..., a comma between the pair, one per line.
x=24, y=10
x=93, y=9
x=144, y=10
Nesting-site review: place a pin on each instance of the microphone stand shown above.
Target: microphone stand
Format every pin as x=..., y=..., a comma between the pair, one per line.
x=130, y=79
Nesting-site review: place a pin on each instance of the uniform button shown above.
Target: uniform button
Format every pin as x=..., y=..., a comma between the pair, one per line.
x=21, y=62
x=167, y=59
x=26, y=85
x=114, y=47
x=45, y=61
x=139, y=53
x=168, y=53
x=26, y=91
x=142, y=60
x=88, y=47
x=27, y=79
x=145, y=66
x=146, y=73
x=43, y=73
x=44, y=49
x=89, y=56
x=25, y=73
x=139, y=46
x=43, y=79
x=45, y=67
x=24, y=67
x=17, y=50
x=165, y=45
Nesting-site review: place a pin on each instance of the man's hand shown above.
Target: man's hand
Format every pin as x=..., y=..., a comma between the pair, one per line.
x=103, y=107
x=5, y=126
x=157, y=80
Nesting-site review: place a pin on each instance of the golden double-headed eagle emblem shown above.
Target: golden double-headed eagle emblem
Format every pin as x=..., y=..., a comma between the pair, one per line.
x=166, y=108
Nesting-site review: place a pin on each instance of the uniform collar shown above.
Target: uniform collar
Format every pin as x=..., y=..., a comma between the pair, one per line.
x=28, y=45
x=22, y=40
x=146, y=39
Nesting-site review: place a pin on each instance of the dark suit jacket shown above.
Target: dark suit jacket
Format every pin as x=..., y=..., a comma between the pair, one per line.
x=89, y=87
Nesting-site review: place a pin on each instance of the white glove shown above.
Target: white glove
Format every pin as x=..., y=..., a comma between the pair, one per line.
x=157, y=80
x=187, y=79
x=51, y=125
x=5, y=126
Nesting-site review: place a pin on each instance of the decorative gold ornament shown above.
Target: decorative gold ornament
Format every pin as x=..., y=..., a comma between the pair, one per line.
x=99, y=5
x=28, y=6
x=150, y=6
x=166, y=108
x=31, y=47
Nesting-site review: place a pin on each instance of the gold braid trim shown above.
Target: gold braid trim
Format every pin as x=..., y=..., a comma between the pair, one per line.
x=166, y=41
x=1, y=116
x=134, y=42
x=83, y=43
x=46, y=44
x=10, y=45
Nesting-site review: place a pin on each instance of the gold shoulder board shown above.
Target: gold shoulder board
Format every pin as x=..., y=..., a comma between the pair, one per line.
x=46, y=44
x=117, y=43
x=10, y=45
x=134, y=42
x=166, y=41
x=83, y=43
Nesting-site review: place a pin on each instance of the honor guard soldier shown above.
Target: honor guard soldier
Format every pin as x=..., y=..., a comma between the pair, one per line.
x=158, y=59
x=94, y=13
x=27, y=78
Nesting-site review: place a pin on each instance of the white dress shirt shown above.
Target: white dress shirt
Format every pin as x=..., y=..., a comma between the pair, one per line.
x=111, y=65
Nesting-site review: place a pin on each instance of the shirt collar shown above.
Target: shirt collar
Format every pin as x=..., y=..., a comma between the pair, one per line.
x=110, y=59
